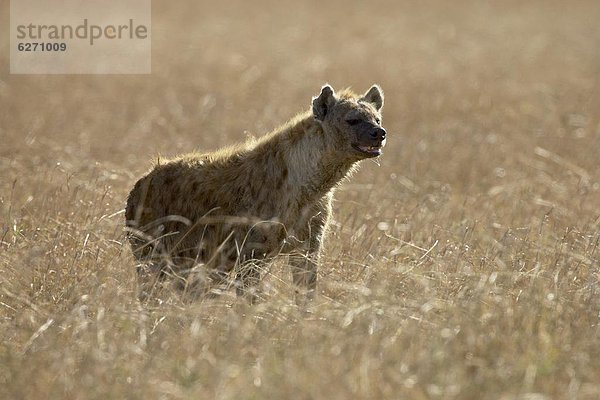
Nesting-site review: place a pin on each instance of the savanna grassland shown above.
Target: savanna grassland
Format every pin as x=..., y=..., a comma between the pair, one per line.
x=462, y=265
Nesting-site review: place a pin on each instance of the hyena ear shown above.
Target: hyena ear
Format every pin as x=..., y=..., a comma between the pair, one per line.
x=374, y=96
x=323, y=103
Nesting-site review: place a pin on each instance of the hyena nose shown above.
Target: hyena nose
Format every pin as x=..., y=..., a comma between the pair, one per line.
x=378, y=133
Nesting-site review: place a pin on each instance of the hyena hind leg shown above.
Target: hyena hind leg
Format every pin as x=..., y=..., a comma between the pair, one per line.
x=150, y=276
x=247, y=280
x=158, y=274
x=203, y=283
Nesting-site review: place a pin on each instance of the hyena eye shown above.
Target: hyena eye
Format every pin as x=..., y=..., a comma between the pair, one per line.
x=354, y=121
x=378, y=120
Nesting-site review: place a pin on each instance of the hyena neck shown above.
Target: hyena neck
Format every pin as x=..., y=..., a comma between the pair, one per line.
x=314, y=165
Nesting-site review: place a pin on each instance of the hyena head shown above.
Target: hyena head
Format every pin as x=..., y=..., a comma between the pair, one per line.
x=352, y=122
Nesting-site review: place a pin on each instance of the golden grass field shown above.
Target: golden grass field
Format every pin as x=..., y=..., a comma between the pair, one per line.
x=464, y=266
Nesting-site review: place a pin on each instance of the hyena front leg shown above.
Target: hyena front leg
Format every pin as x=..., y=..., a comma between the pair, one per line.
x=304, y=260
x=304, y=275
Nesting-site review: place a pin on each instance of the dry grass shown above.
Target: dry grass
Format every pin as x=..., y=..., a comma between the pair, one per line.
x=465, y=266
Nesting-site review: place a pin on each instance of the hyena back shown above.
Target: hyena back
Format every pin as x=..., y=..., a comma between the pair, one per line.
x=202, y=217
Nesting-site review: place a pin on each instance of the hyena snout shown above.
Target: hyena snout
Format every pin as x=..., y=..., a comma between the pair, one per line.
x=373, y=137
x=378, y=134
x=370, y=142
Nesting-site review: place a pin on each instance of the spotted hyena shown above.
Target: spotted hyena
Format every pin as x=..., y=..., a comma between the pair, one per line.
x=203, y=218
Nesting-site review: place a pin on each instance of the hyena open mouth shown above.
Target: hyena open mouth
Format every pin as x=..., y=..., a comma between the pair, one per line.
x=370, y=151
